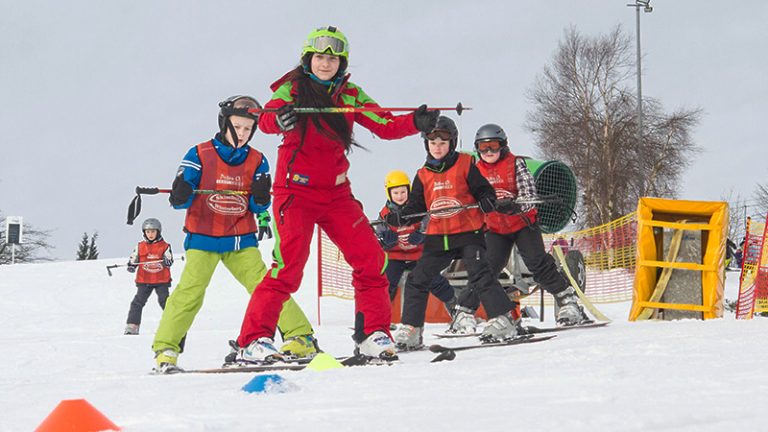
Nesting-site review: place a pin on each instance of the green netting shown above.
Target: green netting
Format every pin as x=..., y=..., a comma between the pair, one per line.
x=553, y=178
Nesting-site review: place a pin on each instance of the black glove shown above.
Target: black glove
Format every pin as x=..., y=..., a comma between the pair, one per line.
x=180, y=192
x=167, y=262
x=487, y=204
x=286, y=117
x=394, y=218
x=131, y=268
x=416, y=238
x=425, y=121
x=265, y=230
x=508, y=206
x=260, y=189
x=388, y=239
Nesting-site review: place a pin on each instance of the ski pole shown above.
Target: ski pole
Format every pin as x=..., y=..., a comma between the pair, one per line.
x=459, y=108
x=544, y=199
x=110, y=267
x=134, y=208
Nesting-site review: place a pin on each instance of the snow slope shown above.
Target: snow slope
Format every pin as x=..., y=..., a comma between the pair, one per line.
x=62, y=339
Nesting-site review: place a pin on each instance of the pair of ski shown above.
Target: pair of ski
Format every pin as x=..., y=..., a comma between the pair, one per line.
x=528, y=330
x=444, y=353
x=530, y=336
x=283, y=365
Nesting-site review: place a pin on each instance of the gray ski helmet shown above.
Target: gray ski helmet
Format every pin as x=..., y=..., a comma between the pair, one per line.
x=237, y=105
x=152, y=224
x=446, y=124
x=491, y=132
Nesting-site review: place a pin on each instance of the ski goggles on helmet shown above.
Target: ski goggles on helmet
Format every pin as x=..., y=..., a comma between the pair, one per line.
x=240, y=106
x=488, y=147
x=439, y=134
x=323, y=44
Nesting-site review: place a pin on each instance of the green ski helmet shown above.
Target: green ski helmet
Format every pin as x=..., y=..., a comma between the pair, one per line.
x=327, y=40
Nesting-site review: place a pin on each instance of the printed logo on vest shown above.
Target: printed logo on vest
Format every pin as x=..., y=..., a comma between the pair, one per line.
x=402, y=241
x=445, y=202
x=229, y=181
x=440, y=185
x=503, y=193
x=153, y=267
x=228, y=205
x=493, y=179
x=300, y=179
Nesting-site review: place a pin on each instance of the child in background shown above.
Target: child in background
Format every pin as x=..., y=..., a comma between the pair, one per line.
x=449, y=180
x=514, y=224
x=404, y=244
x=151, y=260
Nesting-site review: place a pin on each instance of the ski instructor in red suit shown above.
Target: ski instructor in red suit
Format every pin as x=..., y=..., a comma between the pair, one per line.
x=311, y=187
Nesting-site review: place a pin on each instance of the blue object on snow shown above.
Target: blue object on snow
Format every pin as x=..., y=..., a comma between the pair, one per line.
x=270, y=383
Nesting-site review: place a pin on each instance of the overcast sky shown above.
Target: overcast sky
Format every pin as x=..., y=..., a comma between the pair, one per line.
x=97, y=97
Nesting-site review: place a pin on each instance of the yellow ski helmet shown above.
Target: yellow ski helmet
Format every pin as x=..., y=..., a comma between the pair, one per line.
x=395, y=179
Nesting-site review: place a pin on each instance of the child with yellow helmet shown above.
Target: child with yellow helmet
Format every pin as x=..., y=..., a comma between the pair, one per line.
x=405, y=244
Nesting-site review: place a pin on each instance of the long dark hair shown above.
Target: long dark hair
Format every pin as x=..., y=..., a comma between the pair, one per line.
x=312, y=94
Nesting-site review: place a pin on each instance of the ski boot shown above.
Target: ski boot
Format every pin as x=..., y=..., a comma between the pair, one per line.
x=300, y=347
x=131, y=329
x=463, y=322
x=409, y=338
x=499, y=329
x=378, y=346
x=166, y=362
x=260, y=351
x=567, y=309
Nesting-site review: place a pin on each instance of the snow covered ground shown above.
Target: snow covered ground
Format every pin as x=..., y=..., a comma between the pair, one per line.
x=62, y=338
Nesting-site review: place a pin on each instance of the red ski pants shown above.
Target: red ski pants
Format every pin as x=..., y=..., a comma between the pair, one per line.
x=341, y=216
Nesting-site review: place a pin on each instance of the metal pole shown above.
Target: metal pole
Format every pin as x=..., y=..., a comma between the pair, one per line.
x=13, y=253
x=640, y=103
x=641, y=156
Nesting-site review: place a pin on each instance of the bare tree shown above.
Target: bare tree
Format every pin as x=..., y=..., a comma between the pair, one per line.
x=36, y=242
x=584, y=113
x=761, y=198
x=737, y=206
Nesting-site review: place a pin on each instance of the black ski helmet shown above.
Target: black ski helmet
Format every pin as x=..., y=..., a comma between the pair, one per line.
x=492, y=132
x=446, y=124
x=237, y=105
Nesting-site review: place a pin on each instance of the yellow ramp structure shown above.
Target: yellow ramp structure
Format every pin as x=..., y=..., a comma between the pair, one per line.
x=662, y=227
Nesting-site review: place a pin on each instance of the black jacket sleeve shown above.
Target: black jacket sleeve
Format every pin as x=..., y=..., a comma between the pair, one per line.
x=479, y=186
x=415, y=202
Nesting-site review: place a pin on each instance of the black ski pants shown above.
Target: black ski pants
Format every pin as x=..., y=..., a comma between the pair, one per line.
x=143, y=291
x=440, y=286
x=432, y=262
x=531, y=247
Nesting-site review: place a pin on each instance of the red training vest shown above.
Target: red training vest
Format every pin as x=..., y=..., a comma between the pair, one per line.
x=502, y=176
x=221, y=215
x=154, y=273
x=450, y=189
x=403, y=251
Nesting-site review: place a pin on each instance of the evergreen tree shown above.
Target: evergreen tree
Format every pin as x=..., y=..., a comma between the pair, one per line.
x=82, y=249
x=93, y=251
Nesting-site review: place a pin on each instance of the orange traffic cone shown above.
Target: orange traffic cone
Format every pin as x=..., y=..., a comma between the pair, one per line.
x=76, y=415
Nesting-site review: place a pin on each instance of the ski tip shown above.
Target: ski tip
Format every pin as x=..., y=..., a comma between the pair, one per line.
x=438, y=348
x=447, y=355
